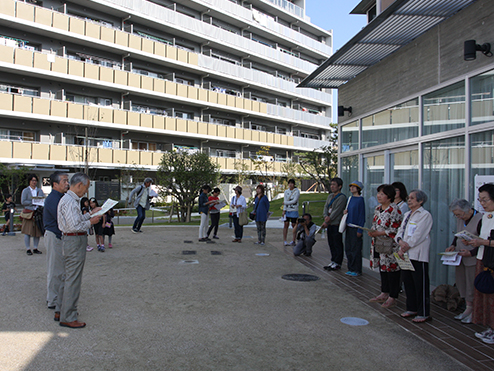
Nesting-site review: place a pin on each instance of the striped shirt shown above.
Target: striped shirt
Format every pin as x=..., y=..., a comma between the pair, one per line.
x=69, y=214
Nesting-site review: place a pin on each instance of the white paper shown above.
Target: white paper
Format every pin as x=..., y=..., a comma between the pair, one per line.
x=465, y=235
x=38, y=201
x=106, y=206
x=454, y=259
x=220, y=206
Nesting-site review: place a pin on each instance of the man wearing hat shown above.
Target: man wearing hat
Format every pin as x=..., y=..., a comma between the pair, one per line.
x=353, y=238
x=141, y=203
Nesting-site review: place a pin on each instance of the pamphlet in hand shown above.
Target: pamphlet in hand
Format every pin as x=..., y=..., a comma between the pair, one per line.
x=106, y=206
x=451, y=259
x=220, y=205
x=38, y=201
x=465, y=235
x=405, y=263
x=358, y=226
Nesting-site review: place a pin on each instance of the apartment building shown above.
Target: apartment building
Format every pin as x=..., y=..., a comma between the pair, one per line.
x=112, y=84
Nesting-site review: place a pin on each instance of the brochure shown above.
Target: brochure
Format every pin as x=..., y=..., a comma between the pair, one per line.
x=106, y=206
x=465, y=235
x=404, y=263
x=454, y=259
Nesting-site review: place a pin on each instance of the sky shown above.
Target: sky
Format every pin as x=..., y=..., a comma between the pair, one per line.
x=335, y=15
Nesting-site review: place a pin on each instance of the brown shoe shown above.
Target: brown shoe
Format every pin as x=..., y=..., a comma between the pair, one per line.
x=57, y=317
x=73, y=324
x=236, y=240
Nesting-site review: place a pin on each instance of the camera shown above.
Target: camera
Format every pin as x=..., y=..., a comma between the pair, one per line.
x=301, y=220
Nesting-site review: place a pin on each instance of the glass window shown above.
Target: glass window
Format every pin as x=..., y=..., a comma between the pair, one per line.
x=349, y=171
x=406, y=168
x=397, y=123
x=445, y=109
x=373, y=178
x=482, y=157
x=444, y=181
x=482, y=95
x=349, y=137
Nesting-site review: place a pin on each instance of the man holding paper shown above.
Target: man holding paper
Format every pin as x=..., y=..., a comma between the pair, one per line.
x=73, y=225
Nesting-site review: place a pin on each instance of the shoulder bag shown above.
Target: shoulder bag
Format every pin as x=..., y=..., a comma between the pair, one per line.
x=242, y=218
x=342, y=226
x=26, y=214
x=383, y=245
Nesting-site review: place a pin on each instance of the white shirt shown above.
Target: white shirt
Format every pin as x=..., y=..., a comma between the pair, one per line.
x=239, y=201
x=69, y=215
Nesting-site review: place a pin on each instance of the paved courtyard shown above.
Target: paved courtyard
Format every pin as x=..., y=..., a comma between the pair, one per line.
x=150, y=307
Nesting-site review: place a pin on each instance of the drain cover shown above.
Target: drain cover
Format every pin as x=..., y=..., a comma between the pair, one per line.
x=186, y=241
x=262, y=254
x=300, y=277
x=189, y=262
x=354, y=321
x=215, y=252
x=188, y=252
x=210, y=242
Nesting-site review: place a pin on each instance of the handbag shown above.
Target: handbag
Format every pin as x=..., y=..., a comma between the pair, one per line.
x=252, y=214
x=342, y=226
x=26, y=214
x=242, y=218
x=484, y=282
x=383, y=245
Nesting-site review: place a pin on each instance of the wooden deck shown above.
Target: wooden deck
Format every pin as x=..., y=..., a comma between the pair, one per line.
x=444, y=332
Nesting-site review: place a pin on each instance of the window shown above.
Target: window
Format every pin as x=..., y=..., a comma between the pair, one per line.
x=349, y=137
x=444, y=109
x=7, y=88
x=391, y=125
x=17, y=135
x=482, y=96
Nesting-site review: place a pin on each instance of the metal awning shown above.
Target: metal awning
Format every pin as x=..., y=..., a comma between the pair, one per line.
x=400, y=23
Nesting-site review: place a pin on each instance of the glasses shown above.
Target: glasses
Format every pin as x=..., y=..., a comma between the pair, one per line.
x=482, y=200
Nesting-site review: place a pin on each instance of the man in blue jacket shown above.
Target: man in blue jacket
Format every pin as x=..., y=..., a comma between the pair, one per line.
x=53, y=241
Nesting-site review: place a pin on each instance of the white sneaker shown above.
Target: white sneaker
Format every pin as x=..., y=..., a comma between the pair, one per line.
x=488, y=339
x=467, y=319
x=285, y=244
x=484, y=334
x=291, y=244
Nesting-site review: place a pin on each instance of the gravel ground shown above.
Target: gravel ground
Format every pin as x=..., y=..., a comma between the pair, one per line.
x=149, y=307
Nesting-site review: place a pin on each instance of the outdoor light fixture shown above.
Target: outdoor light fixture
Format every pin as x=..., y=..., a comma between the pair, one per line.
x=471, y=47
x=341, y=111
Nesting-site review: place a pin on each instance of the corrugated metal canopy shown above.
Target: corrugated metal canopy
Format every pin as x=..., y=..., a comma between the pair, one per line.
x=400, y=23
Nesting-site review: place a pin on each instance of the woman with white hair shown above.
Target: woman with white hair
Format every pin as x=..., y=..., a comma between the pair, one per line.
x=467, y=219
x=413, y=238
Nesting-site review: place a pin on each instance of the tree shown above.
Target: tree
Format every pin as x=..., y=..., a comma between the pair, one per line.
x=12, y=178
x=263, y=164
x=182, y=174
x=321, y=164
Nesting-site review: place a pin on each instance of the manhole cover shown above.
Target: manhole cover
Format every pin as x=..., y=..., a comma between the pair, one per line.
x=300, y=277
x=189, y=262
x=215, y=252
x=187, y=241
x=262, y=254
x=354, y=321
x=210, y=242
x=188, y=252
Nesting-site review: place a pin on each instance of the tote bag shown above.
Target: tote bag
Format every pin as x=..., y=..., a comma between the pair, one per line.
x=342, y=226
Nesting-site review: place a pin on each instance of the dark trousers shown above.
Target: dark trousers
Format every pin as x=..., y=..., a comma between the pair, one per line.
x=239, y=229
x=417, y=288
x=353, y=249
x=141, y=215
x=390, y=283
x=215, y=221
x=335, y=242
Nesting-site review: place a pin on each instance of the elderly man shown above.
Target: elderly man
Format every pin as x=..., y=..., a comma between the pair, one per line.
x=74, y=225
x=53, y=240
x=141, y=203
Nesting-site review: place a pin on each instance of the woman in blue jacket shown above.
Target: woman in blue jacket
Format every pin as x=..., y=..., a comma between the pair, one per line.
x=261, y=208
x=353, y=238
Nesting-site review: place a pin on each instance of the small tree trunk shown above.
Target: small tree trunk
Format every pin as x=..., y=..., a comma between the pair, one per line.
x=188, y=213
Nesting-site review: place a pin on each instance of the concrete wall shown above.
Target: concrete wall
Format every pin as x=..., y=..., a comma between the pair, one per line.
x=433, y=58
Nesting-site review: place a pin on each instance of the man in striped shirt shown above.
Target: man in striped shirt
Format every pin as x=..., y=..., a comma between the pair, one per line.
x=73, y=225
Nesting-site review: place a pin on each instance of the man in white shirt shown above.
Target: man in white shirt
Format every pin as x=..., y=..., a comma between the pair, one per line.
x=141, y=203
x=73, y=225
